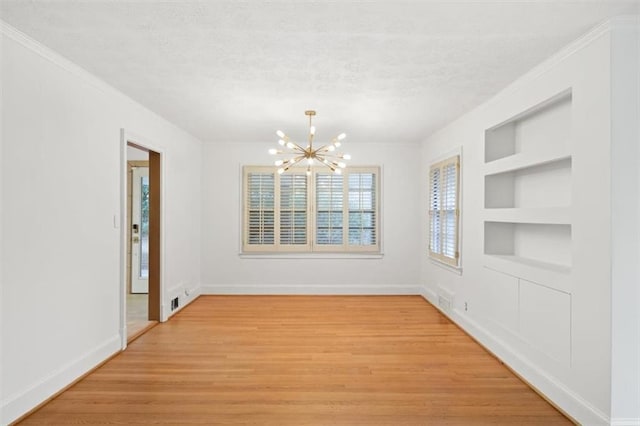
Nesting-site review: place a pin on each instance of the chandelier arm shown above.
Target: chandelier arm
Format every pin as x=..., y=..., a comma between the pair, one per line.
x=294, y=161
x=338, y=157
x=297, y=147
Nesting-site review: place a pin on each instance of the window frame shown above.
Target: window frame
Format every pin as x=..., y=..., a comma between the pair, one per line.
x=438, y=256
x=311, y=247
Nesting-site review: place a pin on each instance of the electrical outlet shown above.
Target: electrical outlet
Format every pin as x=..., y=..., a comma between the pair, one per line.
x=466, y=306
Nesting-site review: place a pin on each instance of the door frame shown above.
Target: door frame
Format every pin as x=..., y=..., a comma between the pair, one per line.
x=157, y=166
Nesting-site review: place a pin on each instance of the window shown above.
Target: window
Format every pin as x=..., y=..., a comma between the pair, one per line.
x=323, y=212
x=444, y=214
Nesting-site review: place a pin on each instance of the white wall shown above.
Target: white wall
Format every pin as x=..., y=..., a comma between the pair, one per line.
x=224, y=271
x=135, y=154
x=1, y=233
x=579, y=378
x=60, y=192
x=625, y=224
x=581, y=382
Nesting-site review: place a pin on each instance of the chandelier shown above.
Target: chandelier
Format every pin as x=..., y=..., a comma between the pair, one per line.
x=325, y=154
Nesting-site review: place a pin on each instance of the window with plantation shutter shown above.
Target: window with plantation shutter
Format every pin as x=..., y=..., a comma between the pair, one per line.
x=260, y=210
x=362, y=209
x=329, y=209
x=444, y=213
x=319, y=212
x=293, y=209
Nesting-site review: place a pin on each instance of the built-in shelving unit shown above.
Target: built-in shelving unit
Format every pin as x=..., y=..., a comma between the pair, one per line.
x=527, y=194
x=527, y=220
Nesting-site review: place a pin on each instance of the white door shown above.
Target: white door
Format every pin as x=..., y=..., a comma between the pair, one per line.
x=140, y=231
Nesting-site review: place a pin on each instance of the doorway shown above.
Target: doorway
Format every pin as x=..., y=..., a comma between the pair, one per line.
x=139, y=230
x=141, y=239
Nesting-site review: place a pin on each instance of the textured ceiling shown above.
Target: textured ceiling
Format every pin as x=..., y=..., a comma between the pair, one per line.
x=237, y=71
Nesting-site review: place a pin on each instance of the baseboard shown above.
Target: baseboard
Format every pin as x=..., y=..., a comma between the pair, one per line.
x=324, y=290
x=626, y=422
x=17, y=405
x=550, y=388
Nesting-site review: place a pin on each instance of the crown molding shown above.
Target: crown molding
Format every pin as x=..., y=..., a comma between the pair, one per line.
x=76, y=70
x=57, y=59
x=625, y=22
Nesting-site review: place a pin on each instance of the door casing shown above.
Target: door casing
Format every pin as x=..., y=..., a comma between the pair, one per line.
x=156, y=228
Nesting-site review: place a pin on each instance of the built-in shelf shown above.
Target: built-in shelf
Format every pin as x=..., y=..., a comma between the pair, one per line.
x=528, y=221
x=525, y=160
x=534, y=215
x=527, y=194
x=543, y=130
x=542, y=186
x=542, y=244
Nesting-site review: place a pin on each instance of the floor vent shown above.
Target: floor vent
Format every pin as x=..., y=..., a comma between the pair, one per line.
x=444, y=303
x=445, y=299
x=175, y=302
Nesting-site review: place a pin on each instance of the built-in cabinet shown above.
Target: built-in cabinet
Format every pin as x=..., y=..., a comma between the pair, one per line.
x=528, y=222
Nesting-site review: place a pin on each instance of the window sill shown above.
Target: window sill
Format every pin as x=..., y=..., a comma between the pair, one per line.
x=311, y=255
x=454, y=269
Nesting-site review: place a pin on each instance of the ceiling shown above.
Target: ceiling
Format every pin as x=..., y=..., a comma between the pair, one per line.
x=383, y=71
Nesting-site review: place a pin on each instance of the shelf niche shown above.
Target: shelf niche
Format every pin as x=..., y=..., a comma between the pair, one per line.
x=547, y=246
x=539, y=186
x=545, y=128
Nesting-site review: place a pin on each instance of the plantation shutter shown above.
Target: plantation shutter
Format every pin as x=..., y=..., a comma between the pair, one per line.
x=293, y=209
x=260, y=214
x=362, y=209
x=443, y=211
x=434, y=210
x=329, y=209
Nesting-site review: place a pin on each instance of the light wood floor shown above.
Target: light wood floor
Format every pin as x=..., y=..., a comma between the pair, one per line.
x=297, y=360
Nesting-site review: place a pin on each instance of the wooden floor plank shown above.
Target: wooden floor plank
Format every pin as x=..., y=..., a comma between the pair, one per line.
x=302, y=360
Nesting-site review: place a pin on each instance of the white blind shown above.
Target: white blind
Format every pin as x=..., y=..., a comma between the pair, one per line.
x=329, y=209
x=443, y=210
x=260, y=213
x=362, y=209
x=293, y=208
x=434, y=210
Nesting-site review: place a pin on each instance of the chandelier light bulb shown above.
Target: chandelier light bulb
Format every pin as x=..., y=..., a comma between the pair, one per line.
x=341, y=165
x=331, y=148
x=281, y=142
x=346, y=157
x=341, y=136
x=280, y=134
x=309, y=161
x=273, y=151
x=338, y=171
x=280, y=171
x=290, y=145
x=312, y=130
x=278, y=163
x=308, y=172
x=337, y=144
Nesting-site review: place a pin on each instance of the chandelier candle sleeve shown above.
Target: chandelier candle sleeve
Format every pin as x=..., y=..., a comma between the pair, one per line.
x=325, y=155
